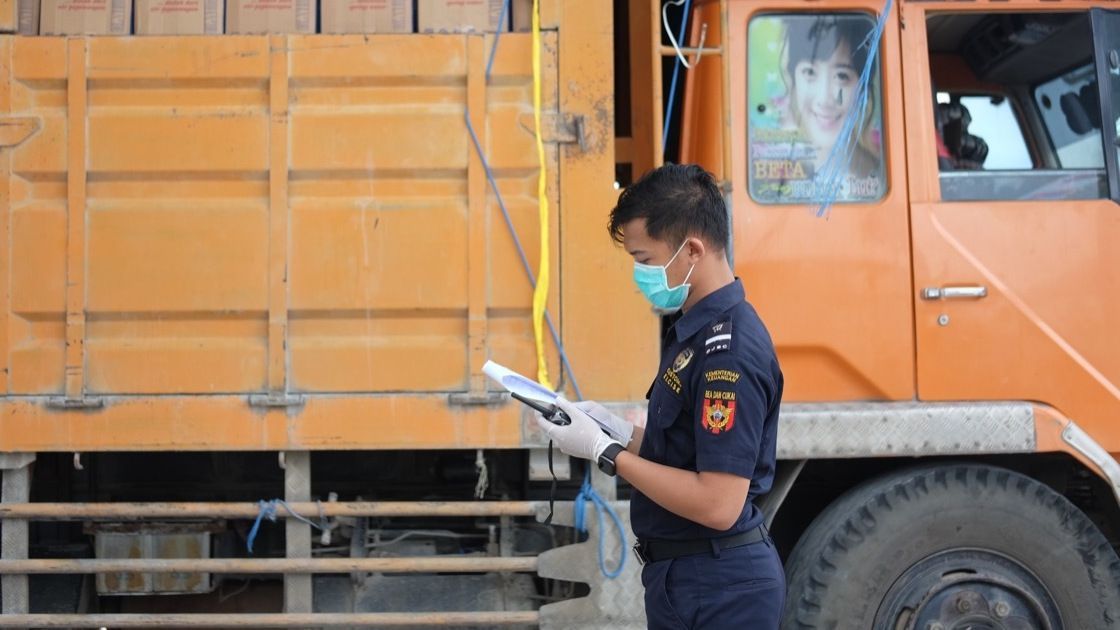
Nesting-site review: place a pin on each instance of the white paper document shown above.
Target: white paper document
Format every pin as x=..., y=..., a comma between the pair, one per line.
x=518, y=384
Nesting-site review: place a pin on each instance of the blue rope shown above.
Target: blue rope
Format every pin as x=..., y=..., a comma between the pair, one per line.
x=673, y=83
x=587, y=495
x=267, y=509
x=497, y=34
x=522, y=256
x=831, y=178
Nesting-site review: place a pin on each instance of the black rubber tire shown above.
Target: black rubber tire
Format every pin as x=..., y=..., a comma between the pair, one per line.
x=848, y=559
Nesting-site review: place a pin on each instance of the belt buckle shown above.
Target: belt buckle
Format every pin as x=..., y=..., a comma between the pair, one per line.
x=642, y=559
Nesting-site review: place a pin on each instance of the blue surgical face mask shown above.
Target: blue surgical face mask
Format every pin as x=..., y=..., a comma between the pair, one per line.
x=653, y=282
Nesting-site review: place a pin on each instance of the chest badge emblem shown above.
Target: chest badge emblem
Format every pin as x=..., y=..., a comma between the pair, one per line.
x=682, y=360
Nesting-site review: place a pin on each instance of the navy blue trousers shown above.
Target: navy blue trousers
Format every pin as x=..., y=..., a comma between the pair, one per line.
x=743, y=589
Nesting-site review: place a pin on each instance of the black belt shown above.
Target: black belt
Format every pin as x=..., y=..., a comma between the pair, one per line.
x=655, y=550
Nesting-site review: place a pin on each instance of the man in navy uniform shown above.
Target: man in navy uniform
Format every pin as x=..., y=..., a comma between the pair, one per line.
x=708, y=448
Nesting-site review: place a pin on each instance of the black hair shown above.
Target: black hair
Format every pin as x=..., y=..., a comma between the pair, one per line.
x=817, y=38
x=677, y=201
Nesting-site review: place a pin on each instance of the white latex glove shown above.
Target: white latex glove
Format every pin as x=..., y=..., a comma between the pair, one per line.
x=619, y=429
x=582, y=438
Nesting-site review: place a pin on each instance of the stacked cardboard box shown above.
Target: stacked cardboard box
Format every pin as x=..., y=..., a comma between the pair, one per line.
x=86, y=17
x=180, y=17
x=271, y=16
x=460, y=16
x=28, y=17
x=522, y=15
x=210, y=17
x=367, y=16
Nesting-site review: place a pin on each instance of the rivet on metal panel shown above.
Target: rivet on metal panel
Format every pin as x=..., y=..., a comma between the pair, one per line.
x=943, y=320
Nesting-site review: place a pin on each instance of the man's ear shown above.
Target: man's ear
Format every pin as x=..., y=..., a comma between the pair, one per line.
x=695, y=248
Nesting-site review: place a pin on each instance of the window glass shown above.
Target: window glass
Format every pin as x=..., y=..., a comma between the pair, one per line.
x=803, y=78
x=992, y=117
x=1017, y=110
x=1069, y=108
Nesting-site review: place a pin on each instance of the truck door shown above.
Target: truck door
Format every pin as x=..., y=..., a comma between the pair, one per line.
x=1014, y=225
x=834, y=291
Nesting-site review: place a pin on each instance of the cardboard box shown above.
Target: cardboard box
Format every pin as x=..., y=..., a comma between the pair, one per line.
x=366, y=16
x=28, y=17
x=522, y=15
x=460, y=16
x=271, y=16
x=180, y=17
x=86, y=17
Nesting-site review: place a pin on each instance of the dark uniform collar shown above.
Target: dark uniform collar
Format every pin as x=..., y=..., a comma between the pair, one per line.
x=704, y=311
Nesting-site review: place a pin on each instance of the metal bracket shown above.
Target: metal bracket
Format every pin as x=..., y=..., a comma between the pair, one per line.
x=559, y=128
x=475, y=399
x=85, y=402
x=276, y=401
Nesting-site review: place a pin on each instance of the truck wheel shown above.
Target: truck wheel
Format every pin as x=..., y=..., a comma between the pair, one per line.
x=952, y=546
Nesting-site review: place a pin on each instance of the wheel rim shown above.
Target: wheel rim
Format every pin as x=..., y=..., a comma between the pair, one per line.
x=973, y=589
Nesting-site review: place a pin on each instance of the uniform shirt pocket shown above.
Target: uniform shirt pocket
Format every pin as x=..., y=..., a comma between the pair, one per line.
x=664, y=407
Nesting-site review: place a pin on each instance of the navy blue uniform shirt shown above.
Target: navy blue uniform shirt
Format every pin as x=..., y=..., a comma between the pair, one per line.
x=713, y=407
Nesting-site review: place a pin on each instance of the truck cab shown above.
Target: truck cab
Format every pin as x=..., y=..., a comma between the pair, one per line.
x=255, y=277
x=953, y=260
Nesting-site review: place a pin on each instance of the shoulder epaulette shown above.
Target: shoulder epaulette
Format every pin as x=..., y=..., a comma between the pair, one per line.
x=719, y=336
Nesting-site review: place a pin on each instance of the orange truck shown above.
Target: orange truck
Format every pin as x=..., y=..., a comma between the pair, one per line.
x=255, y=277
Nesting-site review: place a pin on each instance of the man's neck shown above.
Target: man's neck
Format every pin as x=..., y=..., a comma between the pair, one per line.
x=707, y=281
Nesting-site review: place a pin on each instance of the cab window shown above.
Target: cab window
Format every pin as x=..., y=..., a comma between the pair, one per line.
x=984, y=116
x=810, y=123
x=1017, y=114
x=1070, y=110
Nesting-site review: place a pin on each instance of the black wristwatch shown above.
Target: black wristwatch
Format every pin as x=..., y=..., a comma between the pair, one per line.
x=606, y=460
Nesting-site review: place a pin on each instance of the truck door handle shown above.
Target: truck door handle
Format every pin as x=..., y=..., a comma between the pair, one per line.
x=954, y=293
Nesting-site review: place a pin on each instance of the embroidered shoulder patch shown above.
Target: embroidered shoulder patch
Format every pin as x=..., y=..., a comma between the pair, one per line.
x=719, y=337
x=718, y=415
x=730, y=376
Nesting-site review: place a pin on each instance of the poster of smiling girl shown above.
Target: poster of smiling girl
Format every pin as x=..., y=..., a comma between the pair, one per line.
x=804, y=73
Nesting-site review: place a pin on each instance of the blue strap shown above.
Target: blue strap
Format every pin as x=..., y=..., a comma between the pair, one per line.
x=267, y=509
x=587, y=495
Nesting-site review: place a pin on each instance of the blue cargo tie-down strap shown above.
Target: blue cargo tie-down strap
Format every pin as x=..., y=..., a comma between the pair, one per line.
x=267, y=509
x=587, y=495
